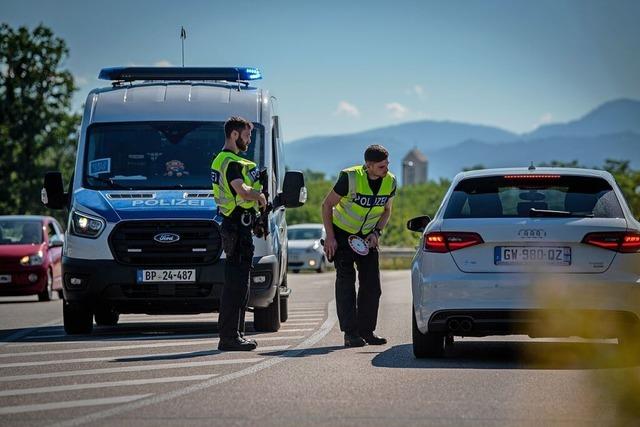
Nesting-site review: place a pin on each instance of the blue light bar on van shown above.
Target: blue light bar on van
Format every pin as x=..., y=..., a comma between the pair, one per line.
x=230, y=74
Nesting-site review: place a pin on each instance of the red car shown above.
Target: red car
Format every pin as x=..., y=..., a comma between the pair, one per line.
x=30, y=256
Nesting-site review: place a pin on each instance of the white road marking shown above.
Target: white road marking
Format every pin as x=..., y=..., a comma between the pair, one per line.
x=72, y=387
x=303, y=323
x=138, y=368
x=267, y=363
x=207, y=341
x=70, y=404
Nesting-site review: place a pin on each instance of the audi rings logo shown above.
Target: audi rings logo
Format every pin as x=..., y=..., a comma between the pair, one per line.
x=166, y=238
x=532, y=233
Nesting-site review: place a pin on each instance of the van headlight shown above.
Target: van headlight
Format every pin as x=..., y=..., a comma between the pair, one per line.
x=86, y=226
x=35, y=259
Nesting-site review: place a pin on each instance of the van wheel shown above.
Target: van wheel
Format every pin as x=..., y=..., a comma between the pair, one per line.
x=77, y=319
x=425, y=345
x=284, y=302
x=47, y=292
x=268, y=319
x=106, y=316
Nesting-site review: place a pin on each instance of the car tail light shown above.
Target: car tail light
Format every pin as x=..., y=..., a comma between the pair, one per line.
x=626, y=242
x=449, y=241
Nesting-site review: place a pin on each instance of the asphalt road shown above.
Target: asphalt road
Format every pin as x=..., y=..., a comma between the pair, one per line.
x=165, y=370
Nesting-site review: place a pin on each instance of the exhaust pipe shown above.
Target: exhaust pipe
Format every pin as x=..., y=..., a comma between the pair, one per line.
x=466, y=325
x=453, y=324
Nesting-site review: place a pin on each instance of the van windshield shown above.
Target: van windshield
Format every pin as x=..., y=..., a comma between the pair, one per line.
x=553, y=196
x=157, y=155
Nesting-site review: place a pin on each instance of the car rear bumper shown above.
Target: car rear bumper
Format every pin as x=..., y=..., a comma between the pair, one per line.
x=20, y=283
x=521, y=303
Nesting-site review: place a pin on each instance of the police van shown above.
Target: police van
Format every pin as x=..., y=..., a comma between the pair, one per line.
x=144, y=230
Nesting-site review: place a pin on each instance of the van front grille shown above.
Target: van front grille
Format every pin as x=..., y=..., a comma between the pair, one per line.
x=139, y=243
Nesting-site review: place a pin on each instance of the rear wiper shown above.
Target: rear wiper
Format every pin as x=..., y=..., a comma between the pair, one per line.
x=109, y=181
x=548, y=212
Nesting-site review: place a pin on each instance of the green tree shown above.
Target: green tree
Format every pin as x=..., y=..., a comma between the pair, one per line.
x=628, y=180
x=37, y=130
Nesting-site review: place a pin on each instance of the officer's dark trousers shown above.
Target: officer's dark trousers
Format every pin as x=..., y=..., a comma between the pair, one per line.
x=357, y=315
x=235, y=292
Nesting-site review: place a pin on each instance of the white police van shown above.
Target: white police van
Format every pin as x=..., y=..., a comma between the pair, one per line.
x=143, y=234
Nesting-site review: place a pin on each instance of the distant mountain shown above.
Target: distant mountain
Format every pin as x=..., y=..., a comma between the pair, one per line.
x=616, y=116
x=588, y=151
x=330, y=154
x=612, y=130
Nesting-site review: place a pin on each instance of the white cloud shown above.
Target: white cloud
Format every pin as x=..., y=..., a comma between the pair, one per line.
x=163, y=63
x=346, y=109
x=397, y=110
x=80, y=81
x=417, y=90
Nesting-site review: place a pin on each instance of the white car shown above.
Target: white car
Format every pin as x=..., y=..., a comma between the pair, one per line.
x=547, y=252
x=305, y=250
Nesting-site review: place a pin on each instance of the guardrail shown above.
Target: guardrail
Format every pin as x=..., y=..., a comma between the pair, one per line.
x=393, y=252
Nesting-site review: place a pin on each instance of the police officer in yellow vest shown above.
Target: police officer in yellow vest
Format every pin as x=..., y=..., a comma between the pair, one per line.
x=359, y=204
x=236, y=190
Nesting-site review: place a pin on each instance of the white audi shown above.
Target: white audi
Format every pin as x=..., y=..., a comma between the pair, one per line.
x=547, y=252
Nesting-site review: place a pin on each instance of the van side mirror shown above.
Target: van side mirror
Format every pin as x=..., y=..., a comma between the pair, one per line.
x=418, y=223
x=294, y=193
x=53, y=195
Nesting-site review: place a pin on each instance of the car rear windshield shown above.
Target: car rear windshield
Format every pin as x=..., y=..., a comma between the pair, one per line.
x=523, y=196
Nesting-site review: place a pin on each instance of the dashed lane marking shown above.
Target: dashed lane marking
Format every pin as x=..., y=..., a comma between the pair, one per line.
x=70, y=404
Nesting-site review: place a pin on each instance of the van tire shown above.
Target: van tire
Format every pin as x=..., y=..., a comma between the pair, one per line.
x=47, y=292
x=77, y=319
x=268, y=319
x=428, y=344
x=106, y=316
x=284, y=309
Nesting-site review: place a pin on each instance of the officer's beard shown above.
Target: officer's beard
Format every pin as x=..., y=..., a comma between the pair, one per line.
x=242, y=146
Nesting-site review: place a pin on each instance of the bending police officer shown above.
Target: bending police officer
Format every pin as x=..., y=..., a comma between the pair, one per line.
x=236, y=190
x=359, y=205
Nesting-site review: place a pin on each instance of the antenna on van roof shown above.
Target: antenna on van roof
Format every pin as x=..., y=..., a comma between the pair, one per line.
x=532, y=167
x=183, y=35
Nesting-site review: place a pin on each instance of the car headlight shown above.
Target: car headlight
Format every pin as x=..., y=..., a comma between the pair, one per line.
x=35, y=259
x=86, y=226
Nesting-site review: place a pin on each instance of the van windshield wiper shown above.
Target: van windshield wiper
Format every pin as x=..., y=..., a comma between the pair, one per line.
x=549, y=212
x=110, y=182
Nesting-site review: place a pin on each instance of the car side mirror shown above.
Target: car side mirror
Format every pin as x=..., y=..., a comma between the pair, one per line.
x=418, y=223
x=53, y=195
x=55, y=242
x=294, y=193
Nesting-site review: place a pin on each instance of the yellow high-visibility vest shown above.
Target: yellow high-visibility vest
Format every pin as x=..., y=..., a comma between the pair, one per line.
x=222, y=194
x=360, y=210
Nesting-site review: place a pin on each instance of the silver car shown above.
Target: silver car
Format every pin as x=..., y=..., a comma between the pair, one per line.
x=305, y=251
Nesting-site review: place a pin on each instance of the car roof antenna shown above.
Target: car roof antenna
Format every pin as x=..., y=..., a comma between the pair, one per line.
x=532, y=167
x=183, y=36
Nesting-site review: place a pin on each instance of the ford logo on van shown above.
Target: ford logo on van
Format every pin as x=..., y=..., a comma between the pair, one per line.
x=166, y=238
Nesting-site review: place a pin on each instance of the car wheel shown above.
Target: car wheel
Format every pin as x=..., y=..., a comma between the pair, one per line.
x=47, y=292
x=77, y=319
x=426, y=345
x=268, y=319
x=322, y=267
x=60, y=294
x=106, y=316
x=296, y=270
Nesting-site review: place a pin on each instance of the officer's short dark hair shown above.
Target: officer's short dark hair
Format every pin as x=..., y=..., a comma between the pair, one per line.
x=375, y=153
x=236, y=123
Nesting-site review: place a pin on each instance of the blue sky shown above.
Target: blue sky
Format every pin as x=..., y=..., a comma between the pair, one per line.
x=345, y=66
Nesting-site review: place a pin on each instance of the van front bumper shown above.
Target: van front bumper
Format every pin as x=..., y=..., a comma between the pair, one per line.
x=96, y=283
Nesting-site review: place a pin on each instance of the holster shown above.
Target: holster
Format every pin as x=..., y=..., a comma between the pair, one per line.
x=229, y=234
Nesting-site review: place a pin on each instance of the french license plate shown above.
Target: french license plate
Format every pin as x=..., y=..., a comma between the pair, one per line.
x=159, y=276
x=5, y=278
x=544, y=255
